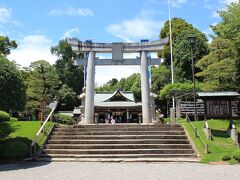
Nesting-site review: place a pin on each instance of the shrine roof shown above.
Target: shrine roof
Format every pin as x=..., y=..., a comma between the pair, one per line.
x=117, y=98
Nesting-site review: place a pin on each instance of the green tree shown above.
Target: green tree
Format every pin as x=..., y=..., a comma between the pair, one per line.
x=160, y=77
x=178, y=25
x=238, y=64
x=182, y=53
x=68, y=98
x=112, y=82
x=68, y=73
x=12, y=87
x=131, y=83
x=218, y=67
x=6, y=45
x=43, y=82
x=229, y=26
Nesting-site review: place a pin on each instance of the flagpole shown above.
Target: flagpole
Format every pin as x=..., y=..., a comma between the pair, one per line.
x=171, y=50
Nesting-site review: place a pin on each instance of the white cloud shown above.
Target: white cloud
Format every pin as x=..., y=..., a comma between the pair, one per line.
x=215, y=14
x=227, y=1
x=32, y=48
x=71, y=33
x=5, y=15
x=177, y=3
x=135, y=29
x=71, y=11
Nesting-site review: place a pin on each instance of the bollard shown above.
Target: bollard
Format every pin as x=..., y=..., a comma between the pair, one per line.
x=195, y=133
x=206, y=149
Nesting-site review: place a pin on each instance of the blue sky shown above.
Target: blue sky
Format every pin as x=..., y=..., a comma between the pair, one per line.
x=39, y=24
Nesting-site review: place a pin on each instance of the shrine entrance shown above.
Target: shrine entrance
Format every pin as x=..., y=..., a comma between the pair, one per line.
x=117, y=49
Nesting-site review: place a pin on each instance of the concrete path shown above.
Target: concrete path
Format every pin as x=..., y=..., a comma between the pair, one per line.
x=112, y=171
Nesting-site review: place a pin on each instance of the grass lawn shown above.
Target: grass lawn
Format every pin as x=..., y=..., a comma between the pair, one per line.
x=16, y=137
x=221, y=143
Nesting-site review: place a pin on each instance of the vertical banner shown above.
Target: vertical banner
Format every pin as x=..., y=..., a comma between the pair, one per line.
x=149, y=66
x=85, y=67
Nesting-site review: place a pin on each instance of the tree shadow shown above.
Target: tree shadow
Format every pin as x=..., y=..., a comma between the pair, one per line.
x=220, y=133
x=21, y=165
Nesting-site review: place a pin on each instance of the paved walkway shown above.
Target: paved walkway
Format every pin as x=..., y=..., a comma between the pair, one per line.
x=112, y=171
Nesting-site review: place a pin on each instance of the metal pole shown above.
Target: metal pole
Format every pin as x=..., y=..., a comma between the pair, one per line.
x=171, y=50
x=194, y=87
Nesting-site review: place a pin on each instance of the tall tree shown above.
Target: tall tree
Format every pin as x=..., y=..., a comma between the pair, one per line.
x=178, y=25
x=182, y=53
x=229, y=26
x=68, y=73
x=218, y=67
x=6, y=45
x=43, y=81
x=12, y=87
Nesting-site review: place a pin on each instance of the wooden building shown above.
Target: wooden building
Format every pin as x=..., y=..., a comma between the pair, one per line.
x=211, y=105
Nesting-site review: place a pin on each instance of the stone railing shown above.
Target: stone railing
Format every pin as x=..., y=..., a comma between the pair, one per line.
x=207, y=131
x=234, y=135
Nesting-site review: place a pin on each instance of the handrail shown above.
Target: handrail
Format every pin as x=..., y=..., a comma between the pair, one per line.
x=54, y=106
x=197, y=134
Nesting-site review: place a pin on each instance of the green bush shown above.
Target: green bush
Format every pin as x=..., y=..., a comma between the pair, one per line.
x=61, y=118
x=15, y=148
x=236, y=155
x=226, y=156
x=13, y=119
x=4, y=116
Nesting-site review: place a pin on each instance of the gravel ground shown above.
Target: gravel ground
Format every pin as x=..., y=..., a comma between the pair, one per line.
x=112, y=171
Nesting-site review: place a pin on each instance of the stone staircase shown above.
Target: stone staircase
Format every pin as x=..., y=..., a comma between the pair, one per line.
x=119, y=142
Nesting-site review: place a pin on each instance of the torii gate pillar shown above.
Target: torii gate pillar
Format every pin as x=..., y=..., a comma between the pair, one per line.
x=146, y=111
x=90, y=87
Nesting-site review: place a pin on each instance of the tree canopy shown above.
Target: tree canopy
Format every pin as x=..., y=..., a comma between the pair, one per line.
x=6, y=45
x=12, y=87
x=229, y=26
x=178, y=25
x=182, y=53
x=43, y=81
x=218, y=67
x=68, y=73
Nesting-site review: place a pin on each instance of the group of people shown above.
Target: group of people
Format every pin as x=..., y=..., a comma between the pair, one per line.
x=111, y=120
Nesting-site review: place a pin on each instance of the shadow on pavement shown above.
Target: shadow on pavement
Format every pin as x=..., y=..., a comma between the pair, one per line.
x=21, y=165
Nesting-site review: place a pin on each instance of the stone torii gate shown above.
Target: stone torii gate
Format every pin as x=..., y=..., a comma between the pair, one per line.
x=117, y=50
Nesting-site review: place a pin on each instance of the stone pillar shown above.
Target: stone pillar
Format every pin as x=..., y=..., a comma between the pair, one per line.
x=90, y=86
x=146, y=112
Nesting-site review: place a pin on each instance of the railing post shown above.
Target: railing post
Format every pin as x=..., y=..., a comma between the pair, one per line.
x=31, y=154
x=195, y=132
x=206, y=148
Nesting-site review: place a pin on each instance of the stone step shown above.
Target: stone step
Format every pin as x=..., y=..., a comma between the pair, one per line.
x=117, y=141
x=118, y=151
x=118, y=146
x=54, y=137
x=117, y=155
x=120, y=133
x=120, y=125
x=117, y=129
